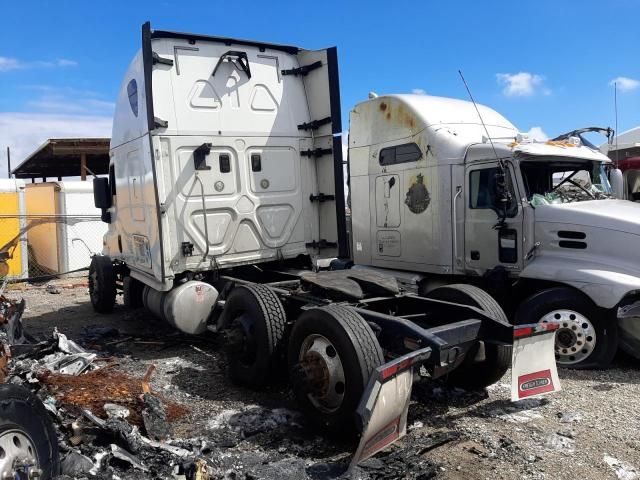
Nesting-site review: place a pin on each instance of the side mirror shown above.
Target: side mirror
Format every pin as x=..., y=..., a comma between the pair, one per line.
x=502, y=191
x=617, y=183
x=504, y=203
x=101, y=193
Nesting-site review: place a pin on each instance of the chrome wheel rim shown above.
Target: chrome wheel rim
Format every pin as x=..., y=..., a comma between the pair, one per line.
x=324, y=371
x=18, y=456
x=575, y=338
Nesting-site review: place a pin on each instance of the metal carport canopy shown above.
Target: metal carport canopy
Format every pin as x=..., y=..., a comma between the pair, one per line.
x=65, y=157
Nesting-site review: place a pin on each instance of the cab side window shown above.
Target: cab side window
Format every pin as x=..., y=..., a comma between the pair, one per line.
x=409, y=152
x=483, y=191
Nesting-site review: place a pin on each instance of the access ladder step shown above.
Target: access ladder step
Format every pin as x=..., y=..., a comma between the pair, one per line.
x=304, y=70
x=316, y=152
x=314, y=124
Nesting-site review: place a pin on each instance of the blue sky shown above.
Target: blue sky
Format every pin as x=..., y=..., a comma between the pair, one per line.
x=545, y=65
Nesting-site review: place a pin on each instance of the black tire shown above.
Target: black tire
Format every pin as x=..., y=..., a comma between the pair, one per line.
x=469, y=295
x=359, y=351
x=21, y=411
x=253, y=354
x=102, y=284
x=472, y=375
x=132, y=292
x=628, y=341
x=604, y=343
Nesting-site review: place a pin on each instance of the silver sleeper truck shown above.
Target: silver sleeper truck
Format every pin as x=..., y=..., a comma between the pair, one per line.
x=440, y=198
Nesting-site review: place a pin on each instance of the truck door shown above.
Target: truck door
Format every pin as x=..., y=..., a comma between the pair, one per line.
x=487, y=243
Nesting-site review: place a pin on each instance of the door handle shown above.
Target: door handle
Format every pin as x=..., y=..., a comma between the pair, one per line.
x=256, y=162
x=475, y=255
x=225, y=162
x=455, y=224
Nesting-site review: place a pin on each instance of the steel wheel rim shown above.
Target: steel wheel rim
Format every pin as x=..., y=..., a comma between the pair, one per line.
x=319, y=350
x=18, y=455
x=575, y=338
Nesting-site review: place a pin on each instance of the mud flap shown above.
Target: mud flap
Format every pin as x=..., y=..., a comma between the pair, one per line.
x=384, y=405
x=533, y=364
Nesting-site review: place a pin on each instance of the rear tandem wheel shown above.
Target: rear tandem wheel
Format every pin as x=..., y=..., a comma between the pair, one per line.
x=470, y=374
x=255, y=320
x=332, y=354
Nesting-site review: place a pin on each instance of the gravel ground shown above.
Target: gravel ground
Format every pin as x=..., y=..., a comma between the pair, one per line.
x=587, y=431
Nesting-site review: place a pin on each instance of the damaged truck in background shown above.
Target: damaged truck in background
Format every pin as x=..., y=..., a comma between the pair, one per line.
x=225, y=188
x=443, y=193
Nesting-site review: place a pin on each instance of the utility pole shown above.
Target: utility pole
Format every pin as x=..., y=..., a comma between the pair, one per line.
x=8, y=162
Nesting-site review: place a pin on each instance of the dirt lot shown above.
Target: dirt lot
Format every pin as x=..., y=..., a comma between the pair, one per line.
x=587, y=431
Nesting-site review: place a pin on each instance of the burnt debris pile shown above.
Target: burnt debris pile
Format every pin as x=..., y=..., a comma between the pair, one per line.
x=108, y=421
x=111, y=424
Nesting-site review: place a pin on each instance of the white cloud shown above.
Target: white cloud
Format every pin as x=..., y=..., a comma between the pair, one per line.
x=625, y=84
x=537, y=134
x=24, y=132
x=63, y=104
x=60, y=90
x=419, y=91
x=64, y=62
x=8, y=63
x=522, y=84
x=68, y=100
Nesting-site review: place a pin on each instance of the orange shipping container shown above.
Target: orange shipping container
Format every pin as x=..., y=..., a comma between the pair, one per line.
x=13, y=238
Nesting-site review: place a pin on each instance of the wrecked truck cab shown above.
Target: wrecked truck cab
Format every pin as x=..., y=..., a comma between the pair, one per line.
x=583, y=239
x=442, y=192
x=226, y=185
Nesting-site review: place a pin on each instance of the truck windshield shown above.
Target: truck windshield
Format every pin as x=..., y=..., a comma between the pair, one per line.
x=562, y=180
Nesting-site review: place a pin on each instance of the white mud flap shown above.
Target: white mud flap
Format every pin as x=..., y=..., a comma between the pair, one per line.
x=533, y=370
x=385, y=403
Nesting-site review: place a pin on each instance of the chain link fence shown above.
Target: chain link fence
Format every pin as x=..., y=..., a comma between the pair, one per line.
x=43, y=247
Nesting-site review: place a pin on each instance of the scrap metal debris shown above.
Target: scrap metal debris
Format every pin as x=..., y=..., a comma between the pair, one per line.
x=125, y=456
x=10, y=319
x=98, y=410
x=94, y=389
x=408, y=462
x=154, y=417
x=112, y=424
x=75, y=464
